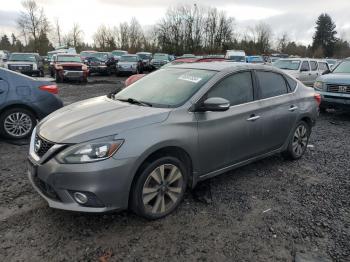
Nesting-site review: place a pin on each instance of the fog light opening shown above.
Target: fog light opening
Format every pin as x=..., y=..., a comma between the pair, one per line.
x=80, y=198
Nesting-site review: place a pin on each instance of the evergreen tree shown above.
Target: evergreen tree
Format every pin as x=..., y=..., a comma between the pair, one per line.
x=324, y=38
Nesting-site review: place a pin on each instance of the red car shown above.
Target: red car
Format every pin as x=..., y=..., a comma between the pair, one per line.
x=69, y=67
x=134, y=78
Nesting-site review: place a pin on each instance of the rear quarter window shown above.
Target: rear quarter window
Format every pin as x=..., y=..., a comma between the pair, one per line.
x=291, y=83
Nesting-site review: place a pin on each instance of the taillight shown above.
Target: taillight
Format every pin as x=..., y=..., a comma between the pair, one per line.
x=317, y=98
x=50, y=88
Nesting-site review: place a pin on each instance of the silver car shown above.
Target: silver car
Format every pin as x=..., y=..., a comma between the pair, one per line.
x=131, y=64
x=144, y=146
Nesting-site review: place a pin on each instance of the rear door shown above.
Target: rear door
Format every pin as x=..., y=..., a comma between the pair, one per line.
x=305, y=73
x=228, y=137
x=314, y=71
x=322, y=67
x=4, y=88
x=277, y=110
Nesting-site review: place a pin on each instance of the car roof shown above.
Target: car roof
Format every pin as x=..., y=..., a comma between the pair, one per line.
x=223, y=66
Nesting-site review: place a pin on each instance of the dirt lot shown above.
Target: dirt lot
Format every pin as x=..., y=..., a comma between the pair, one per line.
x=267, y=211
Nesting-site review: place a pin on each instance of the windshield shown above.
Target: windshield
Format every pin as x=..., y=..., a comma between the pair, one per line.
x=144, y=56
x=76, y=59
x=22, y=57
x=119, y=53
x=287, y=64
x=85, y=53
x=168, y=87
x=237, y=58
x=256, y=59
x=127, y=58
x=343, y=68
x=161, y=57
x=101, y=56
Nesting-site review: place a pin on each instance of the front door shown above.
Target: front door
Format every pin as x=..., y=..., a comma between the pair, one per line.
x=228, y=137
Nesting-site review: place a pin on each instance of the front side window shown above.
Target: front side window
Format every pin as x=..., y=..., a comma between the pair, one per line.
x=271, y=84
x=237, y=89
x=313, y=65
x=168, y=87
x=305, y=66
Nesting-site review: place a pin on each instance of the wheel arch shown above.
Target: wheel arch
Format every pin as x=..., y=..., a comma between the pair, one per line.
x=174, y=151
x=19, y=105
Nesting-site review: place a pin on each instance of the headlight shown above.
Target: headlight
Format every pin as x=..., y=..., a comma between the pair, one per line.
x=35, y=67
x=89, y=152
x=319, y=85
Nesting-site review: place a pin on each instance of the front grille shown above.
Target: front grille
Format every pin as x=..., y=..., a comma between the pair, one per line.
x=22, y=68
x=46, y=189
x=339, y=88
x=72, y=68
x=44, y=146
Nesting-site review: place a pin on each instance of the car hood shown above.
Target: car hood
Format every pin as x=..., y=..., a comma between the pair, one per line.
x=127, y=63
x=95, y=118
x=20, y=63
x=335, y=79
x=69, y=64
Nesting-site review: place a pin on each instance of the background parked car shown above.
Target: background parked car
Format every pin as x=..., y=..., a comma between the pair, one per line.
x=146, y=59
x=85, y=54
x=118, y=53
x=23, y=101
x=101, y=62
x=160, y=59
x=304, y=69
x=26, y=63
x=69, y=67
x=236, y=56
x=70, y=50
x=4, y=55
x=255, y=59
x=334, y=87
x=130, y=64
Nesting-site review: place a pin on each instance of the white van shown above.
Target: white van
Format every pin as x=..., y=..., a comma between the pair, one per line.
x=304, y=69
x=236, y=56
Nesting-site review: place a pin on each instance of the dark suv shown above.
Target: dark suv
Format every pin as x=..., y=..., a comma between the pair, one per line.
x=101, y=62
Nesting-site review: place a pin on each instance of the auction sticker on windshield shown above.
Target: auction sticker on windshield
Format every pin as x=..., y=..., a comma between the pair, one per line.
x=190, y=77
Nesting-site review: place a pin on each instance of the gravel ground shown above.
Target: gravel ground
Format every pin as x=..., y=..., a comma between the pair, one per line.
x=266, y=211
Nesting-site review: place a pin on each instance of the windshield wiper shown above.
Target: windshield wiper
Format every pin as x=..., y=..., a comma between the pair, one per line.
x=134, y=101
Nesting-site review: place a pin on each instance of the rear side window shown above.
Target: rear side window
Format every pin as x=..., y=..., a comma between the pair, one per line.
x=322, y=66
x=313, y=65
x=237, y=89
x=305, y=66
x=292, y=83
x=271, y=84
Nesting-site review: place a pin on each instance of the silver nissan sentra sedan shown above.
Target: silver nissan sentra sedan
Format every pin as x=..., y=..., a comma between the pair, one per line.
x=144, y=146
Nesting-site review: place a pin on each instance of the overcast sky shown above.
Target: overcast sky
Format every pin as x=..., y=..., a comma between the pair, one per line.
x=296, y=17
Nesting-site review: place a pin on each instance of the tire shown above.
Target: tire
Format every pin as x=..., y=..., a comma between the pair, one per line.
x=41, y=73
x=323, y=110
x=163, y=196
x=299, y=141
x=9, y=117
x=58, y=78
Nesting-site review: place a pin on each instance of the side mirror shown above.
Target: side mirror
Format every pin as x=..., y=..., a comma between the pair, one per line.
x=326, y=72
x=4, y=59
x=215, y=104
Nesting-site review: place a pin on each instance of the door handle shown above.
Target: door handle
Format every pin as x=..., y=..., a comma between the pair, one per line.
x=253, y=118
x=292, y=108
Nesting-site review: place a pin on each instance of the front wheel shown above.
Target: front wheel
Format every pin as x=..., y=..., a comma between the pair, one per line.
x=299, y=141
x=17, y=123
x=160, y=188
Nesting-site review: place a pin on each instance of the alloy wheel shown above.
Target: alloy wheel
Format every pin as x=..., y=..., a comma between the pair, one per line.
x=162, y=188
x=300, y=139
x=18, y=124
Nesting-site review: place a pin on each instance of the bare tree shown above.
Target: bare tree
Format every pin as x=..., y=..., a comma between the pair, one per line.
x=76, y=35
x=32, y=22
x=282, y=42
x=58, y=32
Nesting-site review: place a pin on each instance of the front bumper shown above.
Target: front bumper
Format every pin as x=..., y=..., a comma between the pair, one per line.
x=73, y=75
x=108, y=181
x=335, y=100
x=127, y=69
x=98, y=69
